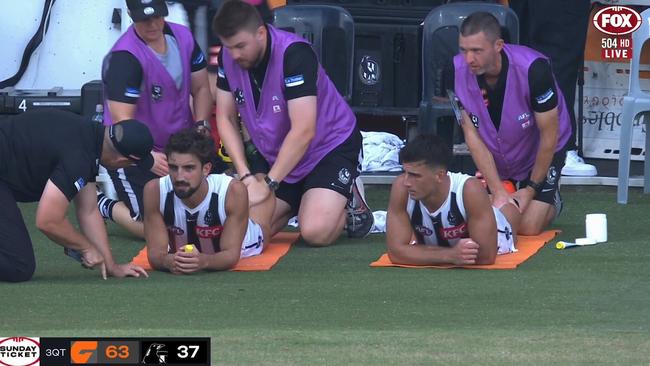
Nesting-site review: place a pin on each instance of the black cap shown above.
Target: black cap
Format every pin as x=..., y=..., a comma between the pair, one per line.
x=133, y=140
x=145, y=9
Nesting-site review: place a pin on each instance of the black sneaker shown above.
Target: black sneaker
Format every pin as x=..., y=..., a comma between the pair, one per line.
x=359, y=218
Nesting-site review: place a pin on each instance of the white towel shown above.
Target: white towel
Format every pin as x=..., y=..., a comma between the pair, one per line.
x=381, y=151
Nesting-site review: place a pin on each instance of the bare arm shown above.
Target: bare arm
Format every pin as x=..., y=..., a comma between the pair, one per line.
x=302, y=112
x=155, y=231
x=399, y=233
x=121, y=111
x=234, y=230
x=481, y=223
x=228, y=126
x=201, y=96
x=93, y=227
x=547, y=122
x=52, y=221
x=484, y=160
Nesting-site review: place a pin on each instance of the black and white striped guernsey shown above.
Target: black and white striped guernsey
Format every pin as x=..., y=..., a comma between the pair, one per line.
x=448, y=224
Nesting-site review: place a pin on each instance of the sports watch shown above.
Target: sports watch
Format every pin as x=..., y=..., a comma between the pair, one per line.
x=202, y=123
x=535, y=186
x=273, y=184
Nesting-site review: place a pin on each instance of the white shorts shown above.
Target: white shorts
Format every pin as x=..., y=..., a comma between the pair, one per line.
x=253, y=243
x=505, y=236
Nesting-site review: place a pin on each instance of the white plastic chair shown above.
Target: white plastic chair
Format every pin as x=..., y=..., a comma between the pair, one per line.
x=636, y=102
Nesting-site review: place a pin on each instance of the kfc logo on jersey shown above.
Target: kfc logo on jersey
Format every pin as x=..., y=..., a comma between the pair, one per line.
x=455, y=232
x=209, y=232
x=617, y=20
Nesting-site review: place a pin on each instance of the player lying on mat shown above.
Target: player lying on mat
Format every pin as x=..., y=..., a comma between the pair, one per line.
x=439, y=217
x=199, y=221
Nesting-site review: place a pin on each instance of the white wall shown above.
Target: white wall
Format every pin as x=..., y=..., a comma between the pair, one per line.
x=71, y=53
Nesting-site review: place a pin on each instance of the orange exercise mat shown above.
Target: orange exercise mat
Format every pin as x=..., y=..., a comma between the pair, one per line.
x=279, y=246
x=527, y=246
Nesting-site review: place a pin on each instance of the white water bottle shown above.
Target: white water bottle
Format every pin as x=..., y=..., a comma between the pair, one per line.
x=99, y=114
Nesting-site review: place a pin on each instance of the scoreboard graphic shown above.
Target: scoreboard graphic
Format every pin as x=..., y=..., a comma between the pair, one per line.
x=24, y=351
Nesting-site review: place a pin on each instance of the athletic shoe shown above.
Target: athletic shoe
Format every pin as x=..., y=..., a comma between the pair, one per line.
x=575, y=165
x=359, y=220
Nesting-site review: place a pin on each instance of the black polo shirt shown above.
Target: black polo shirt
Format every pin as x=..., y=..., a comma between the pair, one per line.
x=39, y=145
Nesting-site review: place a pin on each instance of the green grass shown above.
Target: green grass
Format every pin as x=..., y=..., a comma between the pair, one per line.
x=326, y=306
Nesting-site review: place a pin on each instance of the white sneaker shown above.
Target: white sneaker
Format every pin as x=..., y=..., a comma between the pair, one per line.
x=575, y=165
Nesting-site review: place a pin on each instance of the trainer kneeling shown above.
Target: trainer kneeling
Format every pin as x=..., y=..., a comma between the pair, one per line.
x=52, y=157
x=439, y=217
x=195, y=220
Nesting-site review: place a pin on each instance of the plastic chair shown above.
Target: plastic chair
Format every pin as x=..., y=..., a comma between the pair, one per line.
x=440, y=45
x=635, y=103
x=330, y=29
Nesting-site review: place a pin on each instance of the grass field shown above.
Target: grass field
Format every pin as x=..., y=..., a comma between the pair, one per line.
x=327, y=306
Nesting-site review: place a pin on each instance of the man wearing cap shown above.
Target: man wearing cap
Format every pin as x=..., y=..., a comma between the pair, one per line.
x=52, y=157
x=149, y=74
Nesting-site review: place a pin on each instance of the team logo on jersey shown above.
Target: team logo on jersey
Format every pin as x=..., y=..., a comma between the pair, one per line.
x=209, y=232
x=455, y=232
x=423, y=230
x=452, y=219
x=239, y=96
x=474, y=119
x=277, y=109
x=208, y=217
x=175, y=230
x=551, y=176
x=156, y=92
x=344, y=176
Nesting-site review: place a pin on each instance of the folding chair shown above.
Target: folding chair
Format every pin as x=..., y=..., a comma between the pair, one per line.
x=330, y=29
x=636, y=102
x=440, y=45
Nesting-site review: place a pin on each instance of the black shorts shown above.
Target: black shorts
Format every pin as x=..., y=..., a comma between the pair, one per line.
x=17, y=262
x=550, y=192
x=336, y=171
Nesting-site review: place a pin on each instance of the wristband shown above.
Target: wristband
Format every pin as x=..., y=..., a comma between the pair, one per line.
x=245, y=176
x=272, y=183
